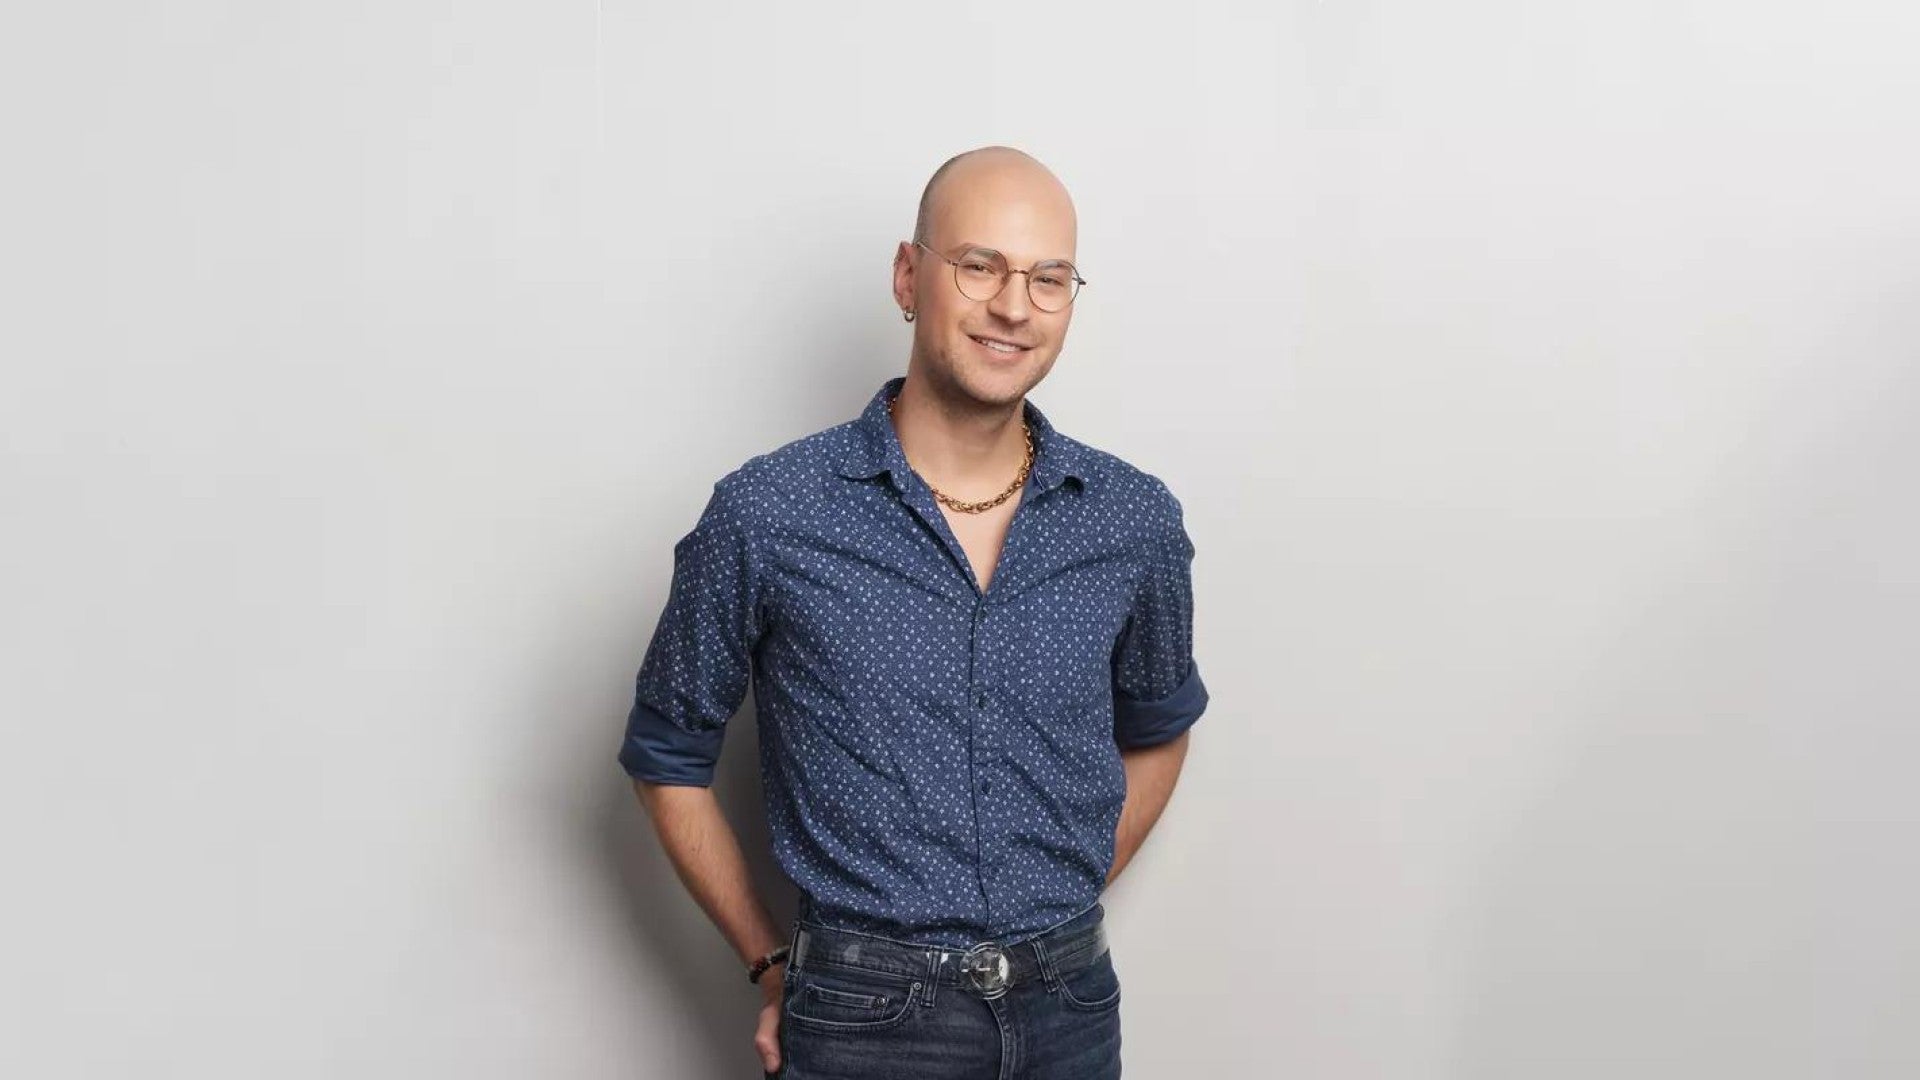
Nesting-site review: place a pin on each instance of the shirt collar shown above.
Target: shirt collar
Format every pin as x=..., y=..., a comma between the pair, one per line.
x=876, y=446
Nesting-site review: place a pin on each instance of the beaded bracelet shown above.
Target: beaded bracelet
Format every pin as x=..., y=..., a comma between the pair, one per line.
x=761, y=965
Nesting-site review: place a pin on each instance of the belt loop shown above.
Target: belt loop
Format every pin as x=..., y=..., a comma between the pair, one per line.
x=936, y=959
x=1048, y=975
x=798, y=950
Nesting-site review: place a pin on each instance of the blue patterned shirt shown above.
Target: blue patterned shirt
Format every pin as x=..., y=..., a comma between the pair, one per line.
x=940, y=764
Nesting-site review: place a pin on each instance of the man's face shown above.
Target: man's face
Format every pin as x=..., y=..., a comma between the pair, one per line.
x=1024, y=216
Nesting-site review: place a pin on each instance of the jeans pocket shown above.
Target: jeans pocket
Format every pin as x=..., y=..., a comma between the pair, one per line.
x=847, y=1000
x=1094, y=987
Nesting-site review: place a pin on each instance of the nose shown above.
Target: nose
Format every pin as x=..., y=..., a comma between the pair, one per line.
x=1013, y=306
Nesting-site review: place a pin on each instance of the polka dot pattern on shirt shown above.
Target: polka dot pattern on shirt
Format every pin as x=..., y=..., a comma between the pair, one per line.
x=940, y=765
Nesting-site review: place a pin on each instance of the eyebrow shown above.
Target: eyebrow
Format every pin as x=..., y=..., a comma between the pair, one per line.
x=969, y=245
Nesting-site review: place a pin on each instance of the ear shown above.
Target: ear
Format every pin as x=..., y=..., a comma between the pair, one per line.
x=903, y=275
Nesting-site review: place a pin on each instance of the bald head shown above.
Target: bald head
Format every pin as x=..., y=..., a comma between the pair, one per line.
x=994, y=207
x=992, y=172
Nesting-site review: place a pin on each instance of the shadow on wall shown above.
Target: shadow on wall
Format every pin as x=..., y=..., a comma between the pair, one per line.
x=688, y=976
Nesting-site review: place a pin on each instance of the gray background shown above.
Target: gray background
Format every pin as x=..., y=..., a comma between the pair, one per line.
x=1539, y=380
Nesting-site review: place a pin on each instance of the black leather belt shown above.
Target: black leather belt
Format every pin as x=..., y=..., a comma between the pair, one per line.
x=987, y=968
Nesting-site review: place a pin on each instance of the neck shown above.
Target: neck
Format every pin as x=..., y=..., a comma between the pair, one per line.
x=957, y=443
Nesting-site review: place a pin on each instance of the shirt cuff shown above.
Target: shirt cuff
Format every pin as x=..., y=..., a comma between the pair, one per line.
x=1148, y=723
x=660, y=751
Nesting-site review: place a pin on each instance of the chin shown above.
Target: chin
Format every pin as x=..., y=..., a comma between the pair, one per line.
x=1000, y=384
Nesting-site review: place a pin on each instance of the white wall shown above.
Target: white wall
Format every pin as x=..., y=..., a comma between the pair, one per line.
x=1540, y=381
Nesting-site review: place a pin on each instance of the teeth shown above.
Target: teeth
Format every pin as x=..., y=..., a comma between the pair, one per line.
x=997, y=346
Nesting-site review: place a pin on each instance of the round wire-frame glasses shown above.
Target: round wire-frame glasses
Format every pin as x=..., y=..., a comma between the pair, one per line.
x=980, y=273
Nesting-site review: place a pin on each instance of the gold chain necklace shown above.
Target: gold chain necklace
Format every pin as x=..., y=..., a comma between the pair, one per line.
x=1026, y=466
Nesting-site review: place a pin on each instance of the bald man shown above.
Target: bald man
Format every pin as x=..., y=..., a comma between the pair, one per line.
x=969, y=638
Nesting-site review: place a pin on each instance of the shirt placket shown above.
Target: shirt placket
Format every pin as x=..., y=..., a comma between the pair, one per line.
x=987, y=741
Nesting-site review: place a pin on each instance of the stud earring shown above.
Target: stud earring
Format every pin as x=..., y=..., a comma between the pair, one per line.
x=907, y=314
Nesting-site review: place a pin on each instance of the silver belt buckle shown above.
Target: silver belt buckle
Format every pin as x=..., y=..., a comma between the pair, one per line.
x=987, y=968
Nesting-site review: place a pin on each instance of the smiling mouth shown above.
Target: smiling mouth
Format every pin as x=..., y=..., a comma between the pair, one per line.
x=1005, y=347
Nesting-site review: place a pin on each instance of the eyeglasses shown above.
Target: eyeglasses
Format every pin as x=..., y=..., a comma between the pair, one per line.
x=981, y=273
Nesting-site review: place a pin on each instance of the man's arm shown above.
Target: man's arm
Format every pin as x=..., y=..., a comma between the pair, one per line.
x=1152, y=772
x=691, y=682
x=706, y=855
x=1158, y=693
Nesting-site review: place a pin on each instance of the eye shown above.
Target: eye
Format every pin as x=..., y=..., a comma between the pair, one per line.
x=976, y=267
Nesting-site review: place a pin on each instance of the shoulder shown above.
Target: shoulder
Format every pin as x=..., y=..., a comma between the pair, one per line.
x=786, y=476
x=1127, y=490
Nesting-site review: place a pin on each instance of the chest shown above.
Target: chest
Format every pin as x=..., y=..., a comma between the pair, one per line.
x=983, y=536
x=873, y=602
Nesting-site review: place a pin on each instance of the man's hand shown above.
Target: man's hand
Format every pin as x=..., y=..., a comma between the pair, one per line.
x=766, y=1038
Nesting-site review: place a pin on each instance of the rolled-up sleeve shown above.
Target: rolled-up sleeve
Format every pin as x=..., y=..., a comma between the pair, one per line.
x=1157, y=690
x=695, y=672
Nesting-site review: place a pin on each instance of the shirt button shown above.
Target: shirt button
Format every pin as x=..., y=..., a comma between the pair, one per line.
x=981, y=699
x=986, y=785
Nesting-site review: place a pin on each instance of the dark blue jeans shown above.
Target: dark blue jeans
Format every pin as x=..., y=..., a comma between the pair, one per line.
x=861, y=1007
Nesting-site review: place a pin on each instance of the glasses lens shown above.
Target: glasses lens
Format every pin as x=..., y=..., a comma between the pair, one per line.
x=980, y=274
x=1052, y=285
